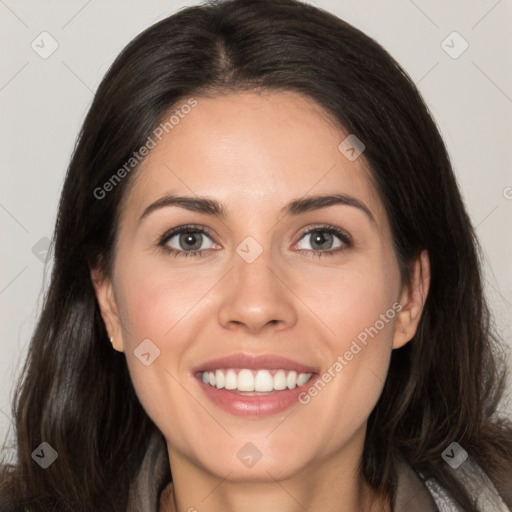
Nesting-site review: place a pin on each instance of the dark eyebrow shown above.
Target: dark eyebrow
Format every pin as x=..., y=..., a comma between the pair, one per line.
x=193, y=204
x=295, y=207
x=309, y=203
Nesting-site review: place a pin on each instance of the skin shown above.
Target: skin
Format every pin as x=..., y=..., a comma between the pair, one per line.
x=254, y=153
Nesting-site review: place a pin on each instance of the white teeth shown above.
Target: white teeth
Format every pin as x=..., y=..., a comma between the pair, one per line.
x=302, y=378
x=291, y=380
x=280, y=380
x=231, y=381
x=260, y=381
x=219, y=379
x=245, y=380
x=263, y=381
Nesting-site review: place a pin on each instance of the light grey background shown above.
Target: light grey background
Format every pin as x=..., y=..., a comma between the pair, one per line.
x=43, y=103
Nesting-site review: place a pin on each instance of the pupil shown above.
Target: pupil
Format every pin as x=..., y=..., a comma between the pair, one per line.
x=190, y=241
x=321, y=237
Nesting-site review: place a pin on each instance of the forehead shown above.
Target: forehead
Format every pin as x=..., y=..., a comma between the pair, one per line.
x=251, y=151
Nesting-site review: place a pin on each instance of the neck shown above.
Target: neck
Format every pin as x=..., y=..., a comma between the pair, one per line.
x=331, y=485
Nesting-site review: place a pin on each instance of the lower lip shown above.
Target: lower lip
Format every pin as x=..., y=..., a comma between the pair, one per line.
x=255, y=405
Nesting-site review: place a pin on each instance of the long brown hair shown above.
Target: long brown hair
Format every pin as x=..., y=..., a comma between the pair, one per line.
x=75, y=392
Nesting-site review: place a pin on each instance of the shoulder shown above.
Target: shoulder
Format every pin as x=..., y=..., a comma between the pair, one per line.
x=411, y=493
x=415, y=492
x=477, y=484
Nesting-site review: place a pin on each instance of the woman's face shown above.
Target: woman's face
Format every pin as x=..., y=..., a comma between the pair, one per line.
x=316, y=283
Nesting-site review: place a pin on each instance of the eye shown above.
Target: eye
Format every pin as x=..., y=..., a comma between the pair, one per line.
x=189, y=240
x=185, y=241
x=322, y=239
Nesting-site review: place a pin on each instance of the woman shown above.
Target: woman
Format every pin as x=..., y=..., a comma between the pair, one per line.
x=261, y=216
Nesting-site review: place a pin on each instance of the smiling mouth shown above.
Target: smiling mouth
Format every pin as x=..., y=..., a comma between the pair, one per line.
x=250, y=382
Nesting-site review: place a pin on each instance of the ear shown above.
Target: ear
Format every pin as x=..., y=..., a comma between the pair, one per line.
x=108, y=307
x=412, y=300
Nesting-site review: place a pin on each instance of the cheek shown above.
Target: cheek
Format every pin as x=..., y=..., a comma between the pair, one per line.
x=155, y=303
x=166, y=308
x=360, y=309
x=350, y=301
x=369, y=309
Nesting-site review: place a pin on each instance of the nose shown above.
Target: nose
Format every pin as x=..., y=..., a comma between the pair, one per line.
x=256, y=296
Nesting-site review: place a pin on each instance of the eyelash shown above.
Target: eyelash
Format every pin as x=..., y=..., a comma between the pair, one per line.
x=344, y=237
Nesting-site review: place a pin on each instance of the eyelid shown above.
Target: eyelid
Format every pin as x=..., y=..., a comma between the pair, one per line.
x=326, y=227
x=184, y=228
x=344, y=236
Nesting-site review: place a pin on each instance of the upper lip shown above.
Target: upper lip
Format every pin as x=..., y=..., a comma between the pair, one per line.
x=255, y=362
